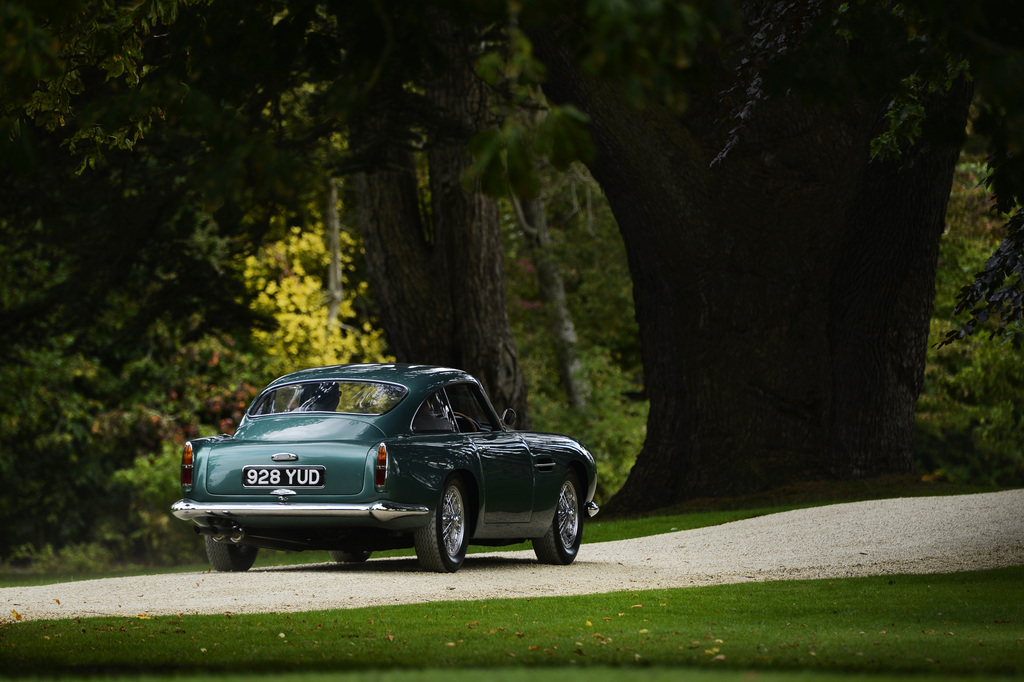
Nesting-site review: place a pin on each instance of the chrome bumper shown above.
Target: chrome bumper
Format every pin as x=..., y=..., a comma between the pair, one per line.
x=592, y=509
x=379, y=511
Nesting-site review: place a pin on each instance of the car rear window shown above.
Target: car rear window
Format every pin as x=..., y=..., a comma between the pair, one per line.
x=349, y=397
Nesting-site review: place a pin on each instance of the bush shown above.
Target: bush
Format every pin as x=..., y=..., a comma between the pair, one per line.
x=613, y=425
x=88, y=557
x=150, y=532
x=969, y=419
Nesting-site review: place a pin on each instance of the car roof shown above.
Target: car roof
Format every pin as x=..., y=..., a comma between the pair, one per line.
x=413, y=377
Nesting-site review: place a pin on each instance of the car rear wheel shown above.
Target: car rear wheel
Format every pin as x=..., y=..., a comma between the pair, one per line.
x=561, y=543
x=345, y=557
x=229, y=557
x=441, y=544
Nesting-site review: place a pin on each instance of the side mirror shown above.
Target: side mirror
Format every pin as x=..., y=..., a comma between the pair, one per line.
x=509, y=417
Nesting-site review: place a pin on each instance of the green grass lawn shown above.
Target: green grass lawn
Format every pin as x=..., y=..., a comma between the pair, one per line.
x=958, y=624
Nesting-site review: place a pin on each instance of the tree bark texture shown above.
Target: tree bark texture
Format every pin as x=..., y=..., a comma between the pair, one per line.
x=335, y=292
x=434, y=254
x=534, y=223
x=782, y=293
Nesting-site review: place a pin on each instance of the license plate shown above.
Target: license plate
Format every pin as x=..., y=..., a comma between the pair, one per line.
x=297, y=476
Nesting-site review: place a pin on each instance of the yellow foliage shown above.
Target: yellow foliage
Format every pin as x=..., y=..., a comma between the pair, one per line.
x=288, y=280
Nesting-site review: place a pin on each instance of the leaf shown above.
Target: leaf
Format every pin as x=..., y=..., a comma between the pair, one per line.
x=563, y=137
x=522, y=172
x=487, y=170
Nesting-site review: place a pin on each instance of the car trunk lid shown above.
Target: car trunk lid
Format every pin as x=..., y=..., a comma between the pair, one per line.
x=312, y=457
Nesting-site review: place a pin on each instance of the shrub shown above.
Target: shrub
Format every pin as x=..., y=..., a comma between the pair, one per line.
x=969, y=419
x=150, y=532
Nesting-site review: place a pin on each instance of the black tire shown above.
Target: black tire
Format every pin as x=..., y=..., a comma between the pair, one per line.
x=561, y=543
x=441, y=544
x=345, y=557
x=229, y=557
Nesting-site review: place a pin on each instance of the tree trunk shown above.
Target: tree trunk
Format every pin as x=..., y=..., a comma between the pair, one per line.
x=534, y=224
x=881, y=297
x=335, y=293
x=782, y=293
x=438, y=273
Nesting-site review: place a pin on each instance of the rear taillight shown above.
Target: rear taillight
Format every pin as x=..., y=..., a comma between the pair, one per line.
x=380, y=474
x=186, y=467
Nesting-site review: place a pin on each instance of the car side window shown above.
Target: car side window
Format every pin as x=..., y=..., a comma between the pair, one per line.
x=471, y=413
x=434, y=416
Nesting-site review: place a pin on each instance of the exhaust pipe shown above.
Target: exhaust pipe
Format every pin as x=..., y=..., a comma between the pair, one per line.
x=238, y=535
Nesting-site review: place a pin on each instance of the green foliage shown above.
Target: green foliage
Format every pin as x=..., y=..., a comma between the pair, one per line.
x=648, y=49
x=969, y=416
x=906, y=115
x=148, y=531
x=586, y=245
x=46, y=425
x=76, y=442
x=505, y=157
x=612, y=426
x=128, y=323
x=74, y=559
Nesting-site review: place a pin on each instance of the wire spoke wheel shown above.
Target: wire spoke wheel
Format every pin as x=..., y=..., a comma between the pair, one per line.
x=561, y=543
x=441, y=543
x=453, y=520
x=567, y=515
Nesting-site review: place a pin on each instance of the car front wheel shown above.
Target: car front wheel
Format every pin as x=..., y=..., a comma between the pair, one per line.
x=229, y=557
x=561, y=543
x=441, y=544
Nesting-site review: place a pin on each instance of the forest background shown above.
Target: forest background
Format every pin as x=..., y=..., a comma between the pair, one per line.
x=170, y=323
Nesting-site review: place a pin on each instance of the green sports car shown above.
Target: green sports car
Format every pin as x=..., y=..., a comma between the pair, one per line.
x=361, y=458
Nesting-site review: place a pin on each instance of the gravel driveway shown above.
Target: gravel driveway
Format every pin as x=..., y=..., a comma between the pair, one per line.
x=908, y=535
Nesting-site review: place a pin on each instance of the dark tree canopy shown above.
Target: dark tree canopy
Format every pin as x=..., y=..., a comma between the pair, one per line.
x=778, y=171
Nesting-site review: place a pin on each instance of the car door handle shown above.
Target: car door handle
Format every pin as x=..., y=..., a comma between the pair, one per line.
x=546, y=464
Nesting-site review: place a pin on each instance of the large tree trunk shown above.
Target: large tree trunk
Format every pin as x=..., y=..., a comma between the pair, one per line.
x=881, y=293
x=782, y=293
x=438, y=273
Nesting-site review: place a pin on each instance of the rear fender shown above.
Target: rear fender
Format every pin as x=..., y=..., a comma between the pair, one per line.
x=418, y=468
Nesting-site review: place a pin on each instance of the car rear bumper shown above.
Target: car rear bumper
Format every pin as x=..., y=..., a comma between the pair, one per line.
x=239, y=511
